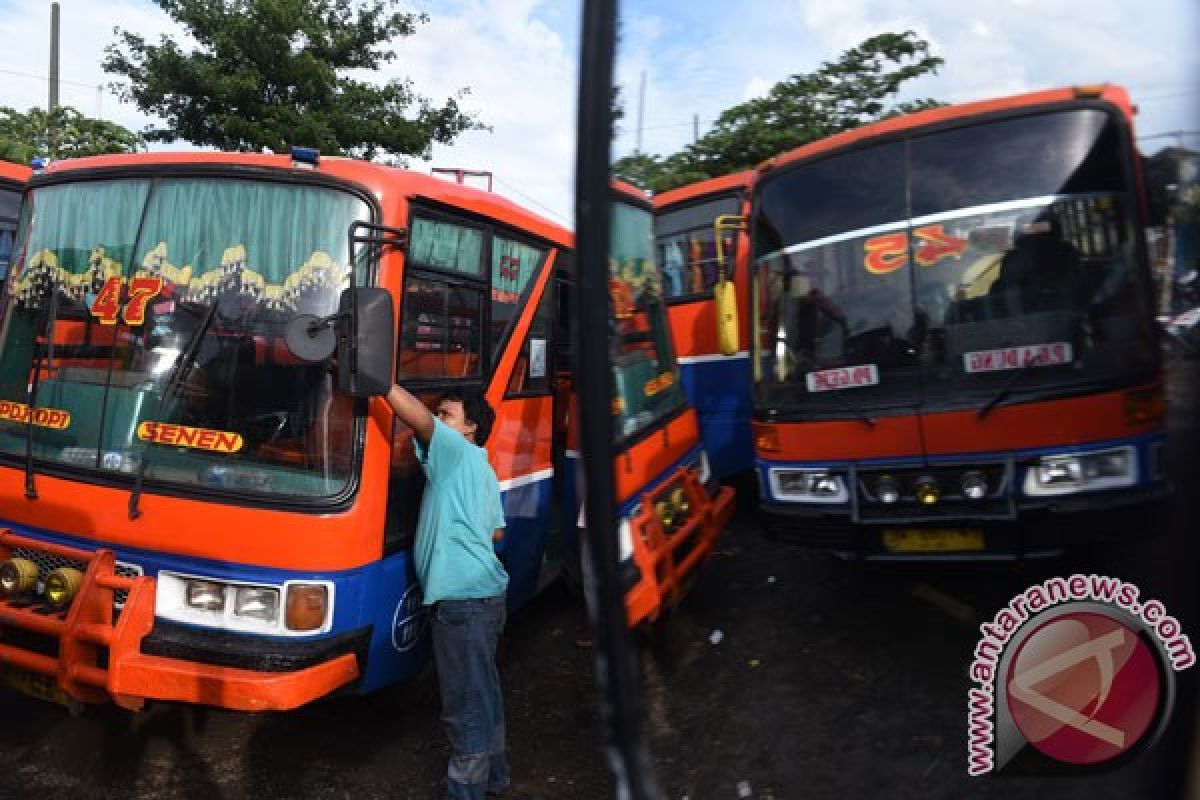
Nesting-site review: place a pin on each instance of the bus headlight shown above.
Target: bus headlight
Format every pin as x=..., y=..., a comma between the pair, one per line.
x=666, y=513
x=62, y=585
x=1063, y=474
x=974, y=485
x=18, y=576
x=928, y=493
x=256, y=602
x=679, y=500
x=887, y=490
x=809, y=486
x=624, y=540
x=205, y=595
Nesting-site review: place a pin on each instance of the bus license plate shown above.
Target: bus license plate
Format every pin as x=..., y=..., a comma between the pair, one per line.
x=34, y=684
x=933, y=540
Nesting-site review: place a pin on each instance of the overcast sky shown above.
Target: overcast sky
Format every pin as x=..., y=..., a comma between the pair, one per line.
x=699, y=56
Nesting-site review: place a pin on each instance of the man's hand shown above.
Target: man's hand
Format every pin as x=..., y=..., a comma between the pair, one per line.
x=412, y=412
x=498, y=535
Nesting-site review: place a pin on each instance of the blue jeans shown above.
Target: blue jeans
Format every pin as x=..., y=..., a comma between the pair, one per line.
x=465, y=633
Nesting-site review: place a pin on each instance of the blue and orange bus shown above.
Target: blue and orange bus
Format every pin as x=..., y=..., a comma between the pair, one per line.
x=953, y=329
x=715, y=374
x=671, y=506
x=201, y=505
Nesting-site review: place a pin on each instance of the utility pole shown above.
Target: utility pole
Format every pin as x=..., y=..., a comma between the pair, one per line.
x=53, y=101
x=695, y=128
x=641, y=110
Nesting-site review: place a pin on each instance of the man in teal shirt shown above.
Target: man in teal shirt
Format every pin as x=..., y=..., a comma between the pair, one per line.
x=462, y=580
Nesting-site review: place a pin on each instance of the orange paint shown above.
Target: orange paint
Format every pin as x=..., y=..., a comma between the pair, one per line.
x=1052, y=423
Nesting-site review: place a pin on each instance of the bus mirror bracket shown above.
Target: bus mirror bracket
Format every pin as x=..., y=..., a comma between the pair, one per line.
x=724, y=296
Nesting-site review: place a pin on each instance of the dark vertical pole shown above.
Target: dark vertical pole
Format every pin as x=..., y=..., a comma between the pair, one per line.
x=52, y=100
x=620, y=694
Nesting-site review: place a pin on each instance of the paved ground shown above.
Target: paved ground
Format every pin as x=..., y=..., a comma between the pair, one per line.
x=829, y=682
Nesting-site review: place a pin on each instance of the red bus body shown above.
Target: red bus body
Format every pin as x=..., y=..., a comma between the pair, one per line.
x=953, y=330
x=245, y=540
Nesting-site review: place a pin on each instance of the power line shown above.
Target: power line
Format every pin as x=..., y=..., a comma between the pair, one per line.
x=532, y=201
x=45, y=78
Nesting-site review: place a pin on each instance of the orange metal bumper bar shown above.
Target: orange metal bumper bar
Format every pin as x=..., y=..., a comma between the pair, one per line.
x=668, y=559
x=128, y=677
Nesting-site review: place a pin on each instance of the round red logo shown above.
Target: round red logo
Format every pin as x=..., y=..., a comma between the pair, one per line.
x=1083, y=688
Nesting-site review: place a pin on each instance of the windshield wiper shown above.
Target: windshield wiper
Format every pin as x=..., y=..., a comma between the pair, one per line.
x=178, y=373
x=1008, y=386
x=853, y=409
x=31, y=395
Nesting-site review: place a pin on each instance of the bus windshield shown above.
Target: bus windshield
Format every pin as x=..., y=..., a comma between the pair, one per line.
x=646, y=386
x=930, y=270
x=115, y=280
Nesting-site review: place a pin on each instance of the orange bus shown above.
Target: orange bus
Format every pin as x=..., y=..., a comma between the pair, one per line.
x=715, y=376
x=671, y=507
x=205, y=502
x=953, y=330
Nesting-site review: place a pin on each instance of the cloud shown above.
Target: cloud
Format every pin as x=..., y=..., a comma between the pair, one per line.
x=520, y=71
x=704, y=61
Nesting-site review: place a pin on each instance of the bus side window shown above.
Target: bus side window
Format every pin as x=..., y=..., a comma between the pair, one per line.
x=533, y=372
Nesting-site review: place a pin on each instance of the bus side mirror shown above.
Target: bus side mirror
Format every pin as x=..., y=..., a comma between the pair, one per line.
x=727, y=317
x=724, y=294
x=365, y=347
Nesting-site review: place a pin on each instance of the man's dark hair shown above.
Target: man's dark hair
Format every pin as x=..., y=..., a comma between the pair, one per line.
x=476, y=409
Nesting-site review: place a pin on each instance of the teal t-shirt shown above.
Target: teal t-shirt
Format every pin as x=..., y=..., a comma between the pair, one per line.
x=454, y=554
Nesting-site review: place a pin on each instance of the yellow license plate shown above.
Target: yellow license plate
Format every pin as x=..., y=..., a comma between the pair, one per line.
x=933, y=540
x=34, y=684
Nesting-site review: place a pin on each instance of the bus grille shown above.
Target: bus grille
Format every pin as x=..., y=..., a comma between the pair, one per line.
x=48, y=562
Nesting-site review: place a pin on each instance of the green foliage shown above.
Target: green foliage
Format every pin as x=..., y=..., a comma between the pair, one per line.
x=64, y=133
x=273, y=73
x=839, y=95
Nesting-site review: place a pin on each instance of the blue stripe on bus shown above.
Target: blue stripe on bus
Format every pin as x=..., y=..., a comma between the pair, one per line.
x=719, y=391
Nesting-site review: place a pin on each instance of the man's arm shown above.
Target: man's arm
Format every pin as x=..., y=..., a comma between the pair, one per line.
x=412, y=412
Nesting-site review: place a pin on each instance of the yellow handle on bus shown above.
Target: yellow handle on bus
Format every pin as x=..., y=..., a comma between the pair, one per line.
x=724, y=296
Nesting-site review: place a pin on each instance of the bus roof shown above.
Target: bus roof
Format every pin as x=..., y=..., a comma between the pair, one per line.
x=14, y=172
x=632, y=194
x=379, y=179
x=693, y=191
x=1111, y=93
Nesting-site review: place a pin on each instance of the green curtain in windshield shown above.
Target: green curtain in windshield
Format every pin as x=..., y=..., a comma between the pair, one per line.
x=82, y=234
x=272, y=243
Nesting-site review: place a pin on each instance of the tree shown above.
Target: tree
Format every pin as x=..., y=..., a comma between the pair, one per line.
x=63, y=133
x=273, y=73
x=839, y=95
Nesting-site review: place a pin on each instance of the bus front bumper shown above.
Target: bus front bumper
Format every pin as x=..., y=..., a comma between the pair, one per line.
x=1041, y=530
x=91, y=653
x=667, y=558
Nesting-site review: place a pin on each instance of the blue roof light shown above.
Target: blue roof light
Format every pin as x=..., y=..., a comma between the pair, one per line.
x=306, y=156
x=39, y=163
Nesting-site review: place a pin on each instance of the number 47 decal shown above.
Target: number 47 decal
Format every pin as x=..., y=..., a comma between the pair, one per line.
x=107, y=305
